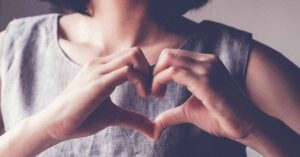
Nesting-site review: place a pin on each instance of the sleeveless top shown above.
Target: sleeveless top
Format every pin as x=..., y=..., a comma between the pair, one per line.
x=34, y=70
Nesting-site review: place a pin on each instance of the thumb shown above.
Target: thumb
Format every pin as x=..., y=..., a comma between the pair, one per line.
x=169, y=118
x=132, y=120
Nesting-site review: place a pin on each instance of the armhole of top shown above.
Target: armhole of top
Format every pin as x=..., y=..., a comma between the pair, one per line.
x=245, y=40
x=2, y=39
x=231, y=44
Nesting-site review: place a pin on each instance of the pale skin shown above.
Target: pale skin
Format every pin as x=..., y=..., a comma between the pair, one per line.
x=109, y=59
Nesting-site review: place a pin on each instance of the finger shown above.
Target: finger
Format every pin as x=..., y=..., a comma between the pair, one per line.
x=198, y=67
x=182, y=59
x=132, y=120
x=158, y=89
x=167, y=55
x=191, y=111
x=169, y=118
x=168, y=59
x=133, y=56
x=125, y=73
x=162, y=63
x=103, y=59
x=198, y=85
x=108, y=114
x=109, y=57
x=178, y=75
x=159, y=83
x=194, y=55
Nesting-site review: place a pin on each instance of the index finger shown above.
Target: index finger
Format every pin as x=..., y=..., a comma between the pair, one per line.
x=133, y=56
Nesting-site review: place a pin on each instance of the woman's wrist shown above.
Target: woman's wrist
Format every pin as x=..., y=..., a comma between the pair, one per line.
x=26, y=139
x=268, y=141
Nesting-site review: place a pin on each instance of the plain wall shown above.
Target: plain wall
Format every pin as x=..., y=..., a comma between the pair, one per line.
x=273, y=22
x=10, y=9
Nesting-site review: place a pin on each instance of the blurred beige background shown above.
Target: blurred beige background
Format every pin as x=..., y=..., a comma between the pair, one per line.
x=273, y=22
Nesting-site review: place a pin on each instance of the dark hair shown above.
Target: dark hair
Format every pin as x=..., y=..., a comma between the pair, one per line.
x=159, y=7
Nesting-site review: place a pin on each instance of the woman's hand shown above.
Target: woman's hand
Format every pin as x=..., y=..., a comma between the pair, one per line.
x=84, y=107
x=217, y=104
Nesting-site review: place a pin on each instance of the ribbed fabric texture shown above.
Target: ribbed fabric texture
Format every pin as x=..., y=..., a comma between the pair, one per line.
x=34, y=70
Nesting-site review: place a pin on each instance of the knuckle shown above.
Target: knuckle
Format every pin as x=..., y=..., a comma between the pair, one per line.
x=212, y=58
x=211, y=64
x=135, y=51
x=173, y=70
x=165, y=50
x=127, y=69
x=203, y=69
x=166, y=56
x=169, y=55
x=207, y=69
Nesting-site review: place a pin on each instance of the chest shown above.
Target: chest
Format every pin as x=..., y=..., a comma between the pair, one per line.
x=82, y=53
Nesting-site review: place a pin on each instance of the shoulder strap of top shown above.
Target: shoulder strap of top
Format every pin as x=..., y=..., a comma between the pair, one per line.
x=231, y=45
x=24, y=34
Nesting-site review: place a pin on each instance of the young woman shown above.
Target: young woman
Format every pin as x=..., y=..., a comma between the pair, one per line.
x=89, y=83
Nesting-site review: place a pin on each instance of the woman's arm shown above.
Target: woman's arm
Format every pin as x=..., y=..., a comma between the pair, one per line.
x=84, y=106
x=27, y=139
x=219, y=106
x=19, y=138
x=273, y=85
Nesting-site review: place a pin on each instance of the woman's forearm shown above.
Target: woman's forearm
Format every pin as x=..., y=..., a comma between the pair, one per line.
x=25, y=140
x=272, y=139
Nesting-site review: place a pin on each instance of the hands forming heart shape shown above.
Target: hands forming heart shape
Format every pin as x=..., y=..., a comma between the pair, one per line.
x=217, y=105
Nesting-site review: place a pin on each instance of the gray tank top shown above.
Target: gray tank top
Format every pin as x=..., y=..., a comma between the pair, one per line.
x=34, y=70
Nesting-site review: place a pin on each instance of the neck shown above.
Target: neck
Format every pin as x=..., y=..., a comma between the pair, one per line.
x=120, y=24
